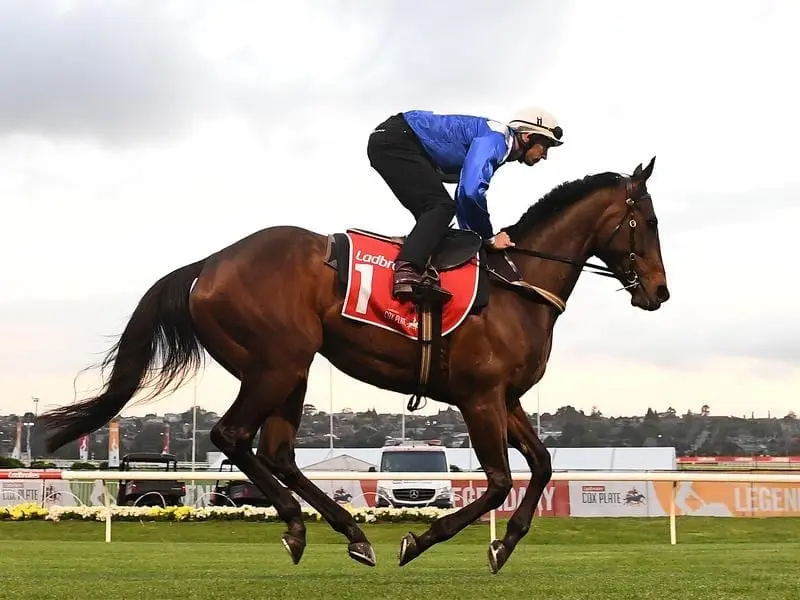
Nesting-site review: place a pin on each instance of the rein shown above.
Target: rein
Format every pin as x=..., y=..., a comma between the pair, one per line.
x=599, y=269
x=630, y=272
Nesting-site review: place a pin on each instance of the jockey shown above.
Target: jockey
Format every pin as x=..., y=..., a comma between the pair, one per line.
x=416, y=151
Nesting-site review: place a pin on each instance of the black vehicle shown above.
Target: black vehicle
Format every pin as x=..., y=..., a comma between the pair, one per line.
x=150, y=492
x=237, y=492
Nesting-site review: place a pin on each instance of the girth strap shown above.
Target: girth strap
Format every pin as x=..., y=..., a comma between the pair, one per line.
x=429, y=336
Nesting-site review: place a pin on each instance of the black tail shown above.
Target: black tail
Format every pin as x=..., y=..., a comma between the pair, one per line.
x=159, y=331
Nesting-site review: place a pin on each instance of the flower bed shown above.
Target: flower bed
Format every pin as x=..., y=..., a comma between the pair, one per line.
x=34, y=512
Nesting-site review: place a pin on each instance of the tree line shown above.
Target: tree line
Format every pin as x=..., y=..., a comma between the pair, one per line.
x=690, y=433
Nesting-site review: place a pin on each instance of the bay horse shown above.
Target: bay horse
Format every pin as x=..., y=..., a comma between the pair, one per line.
x=265, y=305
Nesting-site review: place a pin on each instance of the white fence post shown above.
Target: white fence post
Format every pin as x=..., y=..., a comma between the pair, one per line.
x=107, y=500
x=673, y=531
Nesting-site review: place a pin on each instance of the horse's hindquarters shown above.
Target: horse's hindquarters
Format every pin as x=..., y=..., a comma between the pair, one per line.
x=257, y=302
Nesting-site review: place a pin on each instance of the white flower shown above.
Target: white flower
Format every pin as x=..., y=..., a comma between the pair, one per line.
x=58, y=513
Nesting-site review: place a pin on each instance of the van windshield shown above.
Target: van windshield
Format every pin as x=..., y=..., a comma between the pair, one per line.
x=418, y=461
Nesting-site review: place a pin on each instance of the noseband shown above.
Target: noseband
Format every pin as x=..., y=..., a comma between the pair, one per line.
x=630, y=274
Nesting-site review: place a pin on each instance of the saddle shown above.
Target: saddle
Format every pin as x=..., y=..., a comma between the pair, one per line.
x=456, y=248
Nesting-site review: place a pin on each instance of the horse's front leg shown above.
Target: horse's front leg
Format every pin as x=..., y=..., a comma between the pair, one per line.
x=485, y=417
x=524, y=439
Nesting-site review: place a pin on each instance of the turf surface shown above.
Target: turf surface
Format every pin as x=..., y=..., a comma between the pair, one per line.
x=561, y=558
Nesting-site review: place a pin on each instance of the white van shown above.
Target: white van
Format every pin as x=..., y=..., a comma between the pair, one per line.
x=411, y=457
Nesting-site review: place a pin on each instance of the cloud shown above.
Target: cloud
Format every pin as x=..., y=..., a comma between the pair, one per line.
x=154, y=133
x=138, y=71
x=453, y=53
x=601, y=324
x=57, y=334
x=627, y=387
x=110, y=72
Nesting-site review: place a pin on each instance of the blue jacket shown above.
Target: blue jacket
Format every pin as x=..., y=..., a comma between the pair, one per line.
x=467, y=150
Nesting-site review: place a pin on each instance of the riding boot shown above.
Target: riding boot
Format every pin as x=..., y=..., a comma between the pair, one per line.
x=406, y=278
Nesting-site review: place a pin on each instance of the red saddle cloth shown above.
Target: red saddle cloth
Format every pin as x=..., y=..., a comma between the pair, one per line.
x=368, y=297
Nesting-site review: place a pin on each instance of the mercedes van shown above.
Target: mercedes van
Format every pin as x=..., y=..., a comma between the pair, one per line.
x=413, y=457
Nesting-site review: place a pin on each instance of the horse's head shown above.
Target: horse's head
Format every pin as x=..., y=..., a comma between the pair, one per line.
x=628, y=241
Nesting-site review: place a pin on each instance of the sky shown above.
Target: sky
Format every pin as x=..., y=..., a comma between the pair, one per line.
x=136, y=137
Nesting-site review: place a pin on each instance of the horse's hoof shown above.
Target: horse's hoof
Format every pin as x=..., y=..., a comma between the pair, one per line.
x=294, y=546
x=498, y=555
x=362, y=552
x=409, y=549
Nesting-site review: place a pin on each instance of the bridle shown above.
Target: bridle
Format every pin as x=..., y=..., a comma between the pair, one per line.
x=629, y=273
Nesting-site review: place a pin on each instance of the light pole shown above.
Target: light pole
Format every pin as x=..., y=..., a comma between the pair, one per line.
x=28, y=425
x=194, y=438
x=538, y=415
x=402, y=421
x=330, y=408
x=194, y=424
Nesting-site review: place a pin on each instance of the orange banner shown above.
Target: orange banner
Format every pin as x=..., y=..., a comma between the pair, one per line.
x=113, y=444
x=732, y=499
x=554, y=501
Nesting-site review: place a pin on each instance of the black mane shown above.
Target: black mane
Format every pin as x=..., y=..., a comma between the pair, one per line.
x=559, y=198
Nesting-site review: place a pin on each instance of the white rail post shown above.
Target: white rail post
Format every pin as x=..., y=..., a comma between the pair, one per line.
x=107, y=500
x=673, y=532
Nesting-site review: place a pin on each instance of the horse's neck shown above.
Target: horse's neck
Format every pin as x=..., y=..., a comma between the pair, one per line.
x=572, y=235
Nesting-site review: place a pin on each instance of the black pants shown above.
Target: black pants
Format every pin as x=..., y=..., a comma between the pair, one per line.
x=396, y=153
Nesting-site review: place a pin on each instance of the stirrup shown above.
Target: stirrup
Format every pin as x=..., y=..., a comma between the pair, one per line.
x=402, y=290
x=431, y=273
x=428, y=290
x=431, y=283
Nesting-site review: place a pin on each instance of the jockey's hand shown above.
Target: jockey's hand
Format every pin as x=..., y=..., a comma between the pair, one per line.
x=500, y=241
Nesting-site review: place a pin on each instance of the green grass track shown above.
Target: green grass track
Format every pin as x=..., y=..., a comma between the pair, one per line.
x=567, y=559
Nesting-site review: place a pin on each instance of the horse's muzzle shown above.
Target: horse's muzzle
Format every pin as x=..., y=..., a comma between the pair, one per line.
x=640, y=298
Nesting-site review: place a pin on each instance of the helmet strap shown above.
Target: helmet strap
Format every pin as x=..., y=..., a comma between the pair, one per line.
x=524, y=146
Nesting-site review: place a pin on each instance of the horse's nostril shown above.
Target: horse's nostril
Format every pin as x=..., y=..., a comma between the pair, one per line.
x=662, y=293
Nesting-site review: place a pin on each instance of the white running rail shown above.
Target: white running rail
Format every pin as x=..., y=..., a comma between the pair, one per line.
x=642, y=476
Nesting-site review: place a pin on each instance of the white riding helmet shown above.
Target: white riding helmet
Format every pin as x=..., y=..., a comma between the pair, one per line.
x=541, y=122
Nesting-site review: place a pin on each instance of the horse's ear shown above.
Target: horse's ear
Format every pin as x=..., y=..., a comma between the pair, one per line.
x=648, y=170
x=637, y=171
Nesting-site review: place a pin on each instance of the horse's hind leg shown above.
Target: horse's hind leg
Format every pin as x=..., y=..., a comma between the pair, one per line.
x=485, y=417
x=522, y=437
x=261, y=393
x=276, y=450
